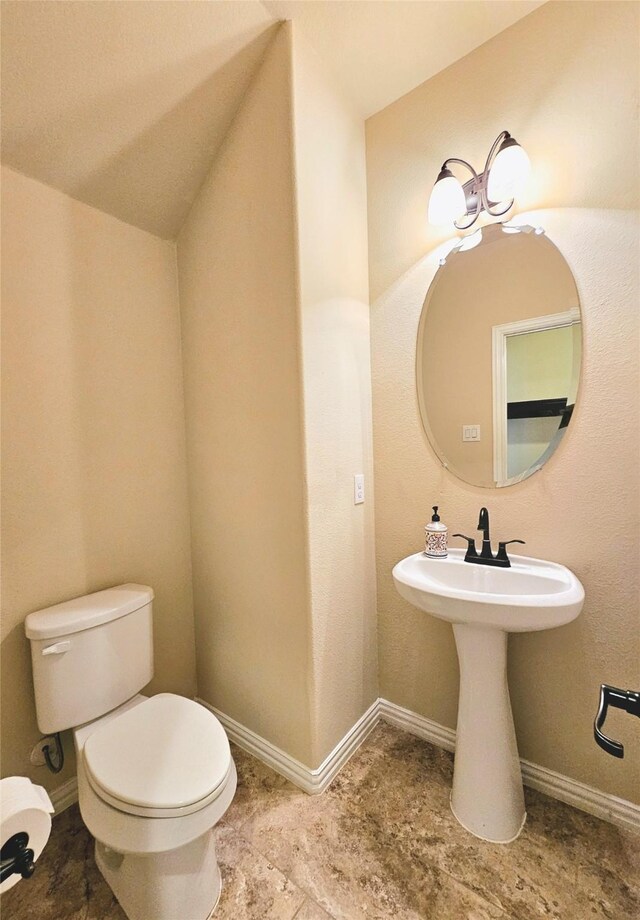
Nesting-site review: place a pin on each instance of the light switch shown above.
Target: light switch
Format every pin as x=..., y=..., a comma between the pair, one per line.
x=358, y=489
x=471, y=432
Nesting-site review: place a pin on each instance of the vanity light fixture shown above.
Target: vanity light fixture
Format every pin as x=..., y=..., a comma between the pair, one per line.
x=492, y=190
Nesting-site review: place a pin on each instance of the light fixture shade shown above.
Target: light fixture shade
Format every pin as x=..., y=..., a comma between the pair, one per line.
x=447, y=202
x=509, y=171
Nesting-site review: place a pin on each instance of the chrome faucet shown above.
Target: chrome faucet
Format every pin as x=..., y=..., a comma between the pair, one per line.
x=486, y=557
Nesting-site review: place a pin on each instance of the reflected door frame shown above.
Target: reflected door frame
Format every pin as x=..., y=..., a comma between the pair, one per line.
x=499, y=335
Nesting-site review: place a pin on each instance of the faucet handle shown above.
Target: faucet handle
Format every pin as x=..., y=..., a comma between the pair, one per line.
x=471, y=548
x=502, y=548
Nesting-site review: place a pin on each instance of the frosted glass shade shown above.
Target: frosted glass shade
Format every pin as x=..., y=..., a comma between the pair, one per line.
x=447, y=202
x=508, y=173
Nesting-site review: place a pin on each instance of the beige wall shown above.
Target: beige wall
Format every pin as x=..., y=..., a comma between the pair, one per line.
x=332, y=240
x=93, y=453
x=273, y=287
x=564, y=81
x=272, y=269
x=273, y=296
x=236, y=258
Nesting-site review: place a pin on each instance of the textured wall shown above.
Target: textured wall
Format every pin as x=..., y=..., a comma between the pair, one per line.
x=238, y=297
x=564, y=81
x=273, y=289
x=334, y=307
x=93, y=452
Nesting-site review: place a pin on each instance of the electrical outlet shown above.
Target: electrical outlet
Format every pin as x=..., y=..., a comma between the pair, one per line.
x=358, y=489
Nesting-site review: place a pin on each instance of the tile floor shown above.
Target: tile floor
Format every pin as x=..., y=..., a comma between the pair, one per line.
x=380, y=843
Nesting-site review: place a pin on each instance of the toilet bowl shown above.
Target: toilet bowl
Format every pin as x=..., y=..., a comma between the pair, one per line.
x=154, y=777
x=155, y=774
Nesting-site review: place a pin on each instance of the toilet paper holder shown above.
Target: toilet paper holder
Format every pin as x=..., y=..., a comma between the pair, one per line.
x=629, y=700
x=16, y=858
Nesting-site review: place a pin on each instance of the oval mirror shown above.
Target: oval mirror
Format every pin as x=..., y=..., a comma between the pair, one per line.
x=498, y=357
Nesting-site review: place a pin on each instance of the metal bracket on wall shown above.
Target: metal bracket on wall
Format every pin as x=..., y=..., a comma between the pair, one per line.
x=629, y=700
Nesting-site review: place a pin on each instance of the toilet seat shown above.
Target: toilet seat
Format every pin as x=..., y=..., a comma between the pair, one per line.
x=166, y=757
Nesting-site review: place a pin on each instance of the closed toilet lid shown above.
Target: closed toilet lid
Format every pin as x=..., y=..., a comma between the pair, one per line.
x=168, y=756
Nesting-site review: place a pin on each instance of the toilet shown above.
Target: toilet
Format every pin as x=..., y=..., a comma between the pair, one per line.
x=155, y=774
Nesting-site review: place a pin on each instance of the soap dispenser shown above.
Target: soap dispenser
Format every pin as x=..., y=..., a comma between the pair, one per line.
x=436, y=537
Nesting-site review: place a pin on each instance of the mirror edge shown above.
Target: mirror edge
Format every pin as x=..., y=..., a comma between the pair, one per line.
x=556, y=442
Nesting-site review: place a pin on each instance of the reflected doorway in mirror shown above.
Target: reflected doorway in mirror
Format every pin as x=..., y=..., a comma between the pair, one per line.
x=536, y=364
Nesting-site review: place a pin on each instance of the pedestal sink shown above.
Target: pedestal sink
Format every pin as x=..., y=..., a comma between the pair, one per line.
x=484, y=604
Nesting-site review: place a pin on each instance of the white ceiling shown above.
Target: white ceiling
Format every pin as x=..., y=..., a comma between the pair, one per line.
x=124, y=104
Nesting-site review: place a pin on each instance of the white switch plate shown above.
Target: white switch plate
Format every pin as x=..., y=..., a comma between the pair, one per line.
x=471, y=432
x=358, y=489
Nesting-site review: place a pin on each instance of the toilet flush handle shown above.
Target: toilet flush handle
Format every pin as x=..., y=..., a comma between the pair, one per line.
x=58, y=649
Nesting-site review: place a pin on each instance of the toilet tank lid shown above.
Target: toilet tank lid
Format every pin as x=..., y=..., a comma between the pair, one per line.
x=87, y=611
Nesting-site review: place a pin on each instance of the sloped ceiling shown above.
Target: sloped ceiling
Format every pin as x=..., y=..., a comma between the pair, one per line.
x=378, y=51
x=124, y=104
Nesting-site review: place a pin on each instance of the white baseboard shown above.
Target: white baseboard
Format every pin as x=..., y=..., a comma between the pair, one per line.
x=420, y=726
x=64, y=795
x=310, y=780
x=600, y=804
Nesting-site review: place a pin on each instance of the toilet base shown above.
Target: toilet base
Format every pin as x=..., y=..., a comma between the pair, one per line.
x=178, y=883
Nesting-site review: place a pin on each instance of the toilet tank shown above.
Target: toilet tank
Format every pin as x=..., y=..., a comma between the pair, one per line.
x=90, y=654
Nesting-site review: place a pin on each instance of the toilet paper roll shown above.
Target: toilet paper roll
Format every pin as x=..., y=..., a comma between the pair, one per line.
x=24, y=808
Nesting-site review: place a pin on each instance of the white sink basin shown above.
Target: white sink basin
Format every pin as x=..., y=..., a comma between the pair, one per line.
x=531, y=595
x=484, y=604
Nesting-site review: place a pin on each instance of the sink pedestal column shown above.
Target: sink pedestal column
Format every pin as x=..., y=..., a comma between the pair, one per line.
x=487, y=797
